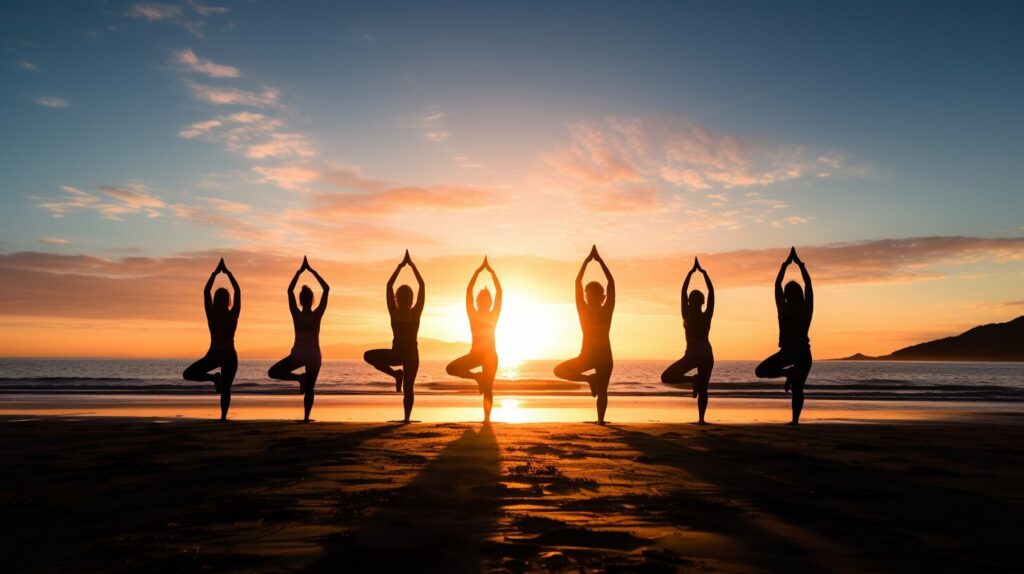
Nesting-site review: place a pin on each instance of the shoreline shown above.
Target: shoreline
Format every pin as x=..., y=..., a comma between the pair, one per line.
x=443, y=408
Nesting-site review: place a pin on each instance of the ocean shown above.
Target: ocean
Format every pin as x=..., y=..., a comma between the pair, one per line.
x=883, y=380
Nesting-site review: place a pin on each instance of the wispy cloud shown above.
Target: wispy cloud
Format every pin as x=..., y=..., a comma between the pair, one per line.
x=193, y=63
x=54, y=241
x=226, y=96
x=253, y=135
x=606, y=162
x=111, y=202
x=188, y=15
x=27, y=66
x=433, y=125
x=52, y=102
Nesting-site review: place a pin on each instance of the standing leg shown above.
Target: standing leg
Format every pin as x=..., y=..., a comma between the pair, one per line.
x=383, y=360
x=228, y=370
x=701, y=385
x=307, y=400
x=797, y=379
x=486, y=381
x=408, y=385
x=602, y=376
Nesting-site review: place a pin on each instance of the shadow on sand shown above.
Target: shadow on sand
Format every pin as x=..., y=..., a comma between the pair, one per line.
x=439, y=522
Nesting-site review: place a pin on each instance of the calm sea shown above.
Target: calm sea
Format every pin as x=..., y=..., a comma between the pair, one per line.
x=990, y=382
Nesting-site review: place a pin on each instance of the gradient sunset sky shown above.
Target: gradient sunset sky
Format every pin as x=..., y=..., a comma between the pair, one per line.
x=141, y=141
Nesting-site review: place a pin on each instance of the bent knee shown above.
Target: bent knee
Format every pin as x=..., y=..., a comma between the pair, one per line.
x=451, y=370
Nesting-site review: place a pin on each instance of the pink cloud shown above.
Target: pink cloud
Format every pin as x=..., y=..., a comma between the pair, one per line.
x=193, y=63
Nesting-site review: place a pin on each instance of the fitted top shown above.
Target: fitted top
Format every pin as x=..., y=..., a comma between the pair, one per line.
x=697, y=326
x=222, y=325
x=307, y=329
x=794, y=324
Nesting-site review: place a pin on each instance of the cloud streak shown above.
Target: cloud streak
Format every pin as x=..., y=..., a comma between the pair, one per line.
x=193, y=63
x=52, y=102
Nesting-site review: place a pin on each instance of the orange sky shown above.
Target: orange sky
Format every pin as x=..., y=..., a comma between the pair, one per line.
x=870, y=297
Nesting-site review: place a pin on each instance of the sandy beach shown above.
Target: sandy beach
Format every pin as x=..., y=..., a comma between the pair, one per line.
x=104, y=494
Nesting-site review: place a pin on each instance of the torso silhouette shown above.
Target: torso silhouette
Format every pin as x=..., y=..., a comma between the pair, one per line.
x=405, y=325
x=794, y=324
x=222, y=324
x=596, y=323
x=697, y=326
x=482, y=324
x=307, y=328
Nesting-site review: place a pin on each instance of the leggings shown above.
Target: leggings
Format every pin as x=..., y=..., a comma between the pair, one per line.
x=793, y=364
x=704, y=362
x=384, y=359
x=464, y=365
x=224, y=359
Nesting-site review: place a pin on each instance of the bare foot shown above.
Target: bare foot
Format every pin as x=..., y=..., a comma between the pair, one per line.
x=302, y=384
x=793, y=423
x=217, y=383
x=398, y=381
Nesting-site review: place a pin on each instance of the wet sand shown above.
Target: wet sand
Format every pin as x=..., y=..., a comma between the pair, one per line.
x=105, y=494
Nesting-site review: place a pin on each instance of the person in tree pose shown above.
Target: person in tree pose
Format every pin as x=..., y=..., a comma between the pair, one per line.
x=483, y=318
x=306, y=350
x=698, y=355
x=795, y=306
x=222, y=320
x=595, y=308
x=405, y=326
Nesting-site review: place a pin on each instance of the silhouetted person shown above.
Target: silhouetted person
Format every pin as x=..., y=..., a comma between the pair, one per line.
x=793, y=361
x=483, y=318
x=698, y=355
x=595, y=311
x=405, y=325
x=222, y=320
x=306, y=350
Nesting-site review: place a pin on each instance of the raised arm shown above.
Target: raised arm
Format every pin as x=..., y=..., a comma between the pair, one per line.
x=323, y=286
x=236, y=309
x=497, y=291
x=470, y=308
x=293, y=306
x=779, y=298
x=207, y=296
x=609, y=300
x=808, y=289
x=709, y=310
x=579, y=282
x=421, y=294
x=392, y=307
x=685, y=292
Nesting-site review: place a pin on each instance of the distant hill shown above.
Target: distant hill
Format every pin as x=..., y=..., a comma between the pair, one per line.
x=429, y=349
x=994, y=342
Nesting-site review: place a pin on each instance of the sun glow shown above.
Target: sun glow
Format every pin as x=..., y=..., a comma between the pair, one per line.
x=528, y=330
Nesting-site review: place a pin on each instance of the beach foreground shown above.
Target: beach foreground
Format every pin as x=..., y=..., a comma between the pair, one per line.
x=117, y=494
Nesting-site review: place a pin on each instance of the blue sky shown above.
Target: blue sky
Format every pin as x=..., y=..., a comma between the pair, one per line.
x=922, y=98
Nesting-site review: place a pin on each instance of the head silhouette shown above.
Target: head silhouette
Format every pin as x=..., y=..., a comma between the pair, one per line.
x=306, y=297
x=696, y=300
x=403, y=297
x=221, y=299
x=794, y=293
x=483, y=300
x=595, y=293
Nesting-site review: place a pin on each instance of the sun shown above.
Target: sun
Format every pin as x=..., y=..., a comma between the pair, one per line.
x=529, y=330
